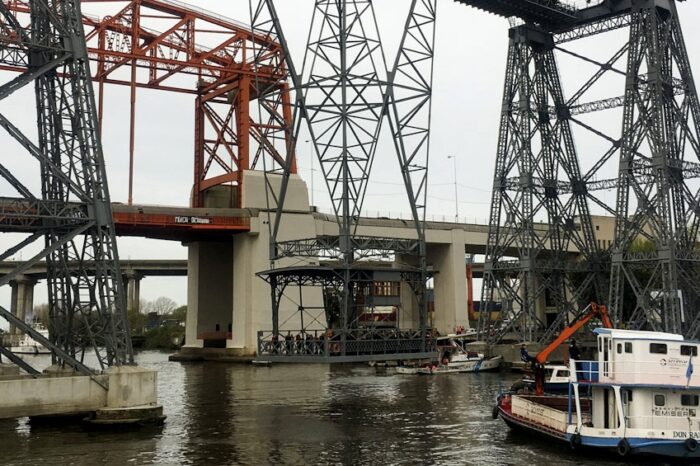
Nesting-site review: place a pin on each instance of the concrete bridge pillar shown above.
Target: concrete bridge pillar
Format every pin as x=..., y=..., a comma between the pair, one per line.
x=450, y=283
x=133, y=291
x=22, y=301
x=409, y=315
x=209, y=294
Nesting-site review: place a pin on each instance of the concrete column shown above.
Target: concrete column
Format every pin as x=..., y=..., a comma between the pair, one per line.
x=133, y=291
x=450, y=283
x=22, y=303
x=209, y=292
x=409, y=317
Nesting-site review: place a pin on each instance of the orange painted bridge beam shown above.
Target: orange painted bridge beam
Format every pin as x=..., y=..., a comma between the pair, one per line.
x=179, y=224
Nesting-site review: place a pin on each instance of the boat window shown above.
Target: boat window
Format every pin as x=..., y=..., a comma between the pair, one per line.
x=688, y=350
x=628, y=347
x=562, y=373
x=619, y=348
x=690, y=400
x=658, y=348
x=659, y=400
x=629, y=395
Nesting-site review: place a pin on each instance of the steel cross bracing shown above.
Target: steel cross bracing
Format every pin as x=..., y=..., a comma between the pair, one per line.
x=171, y=46
x=72, y=213
x=535, y=156
x=344, y=92
x=655, y=263
x=654, y=274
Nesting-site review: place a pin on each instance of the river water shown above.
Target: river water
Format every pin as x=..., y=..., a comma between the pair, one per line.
x=221, y=414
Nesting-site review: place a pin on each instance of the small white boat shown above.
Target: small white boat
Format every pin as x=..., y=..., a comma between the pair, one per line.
x=409, y=370
x=556, y=379
x=452, y=358
x=24, y=344
x=470, y=362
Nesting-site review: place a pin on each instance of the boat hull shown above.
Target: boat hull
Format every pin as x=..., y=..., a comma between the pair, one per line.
x=31, y=350
x=678, y=449
x=479, y=365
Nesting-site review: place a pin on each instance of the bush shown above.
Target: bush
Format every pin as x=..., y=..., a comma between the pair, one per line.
x=166, y=337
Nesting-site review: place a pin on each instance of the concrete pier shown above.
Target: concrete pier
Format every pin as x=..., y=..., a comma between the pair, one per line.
x=129, y=389
x=22, y=300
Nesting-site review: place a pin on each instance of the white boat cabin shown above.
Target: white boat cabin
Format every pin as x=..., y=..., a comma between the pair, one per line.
x=643, y=384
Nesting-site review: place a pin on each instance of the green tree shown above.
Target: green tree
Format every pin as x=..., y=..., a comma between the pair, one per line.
x=180, y=314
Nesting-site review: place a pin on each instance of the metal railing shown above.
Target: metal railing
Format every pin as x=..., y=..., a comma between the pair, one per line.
x=352, y=343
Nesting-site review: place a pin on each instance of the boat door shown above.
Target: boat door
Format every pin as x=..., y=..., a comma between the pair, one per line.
x=605, y=351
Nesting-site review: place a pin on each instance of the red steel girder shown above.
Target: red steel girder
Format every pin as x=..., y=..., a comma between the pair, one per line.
x=155, y=43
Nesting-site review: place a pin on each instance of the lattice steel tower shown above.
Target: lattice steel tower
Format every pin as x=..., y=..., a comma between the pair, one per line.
x=539, y=208
x=72, y=213
x=653, y=278
x=345, y=92
x=655, y=203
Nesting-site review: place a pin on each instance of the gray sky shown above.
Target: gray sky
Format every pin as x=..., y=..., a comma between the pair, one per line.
x=470, y=62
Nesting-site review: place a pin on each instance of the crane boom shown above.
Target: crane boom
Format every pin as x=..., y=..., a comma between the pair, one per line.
x=594, y=310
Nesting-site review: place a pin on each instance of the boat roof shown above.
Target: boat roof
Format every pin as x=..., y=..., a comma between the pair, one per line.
x=638, y=334
x=454, y=336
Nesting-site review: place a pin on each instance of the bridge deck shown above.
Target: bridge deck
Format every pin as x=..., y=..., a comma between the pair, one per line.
x=180, y=224
x=537, y=11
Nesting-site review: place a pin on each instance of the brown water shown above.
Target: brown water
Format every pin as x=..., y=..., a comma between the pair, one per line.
x=221, y=414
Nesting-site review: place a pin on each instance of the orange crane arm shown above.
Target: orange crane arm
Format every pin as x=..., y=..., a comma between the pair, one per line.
x=596, y=311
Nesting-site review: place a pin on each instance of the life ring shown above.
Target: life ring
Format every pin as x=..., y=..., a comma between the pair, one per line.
x=623, y=447
x=495, y=412
x=691, y=444
x=575, y=441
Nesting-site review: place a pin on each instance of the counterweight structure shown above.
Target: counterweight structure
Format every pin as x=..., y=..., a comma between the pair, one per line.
x=344, y=93
x=652, y=273
x=72, y=213
x=229, y=69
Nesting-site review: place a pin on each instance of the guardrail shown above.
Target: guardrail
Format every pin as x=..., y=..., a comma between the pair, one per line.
x=353, y=343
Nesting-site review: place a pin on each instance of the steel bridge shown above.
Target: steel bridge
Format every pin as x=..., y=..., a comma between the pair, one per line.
x=251, y=101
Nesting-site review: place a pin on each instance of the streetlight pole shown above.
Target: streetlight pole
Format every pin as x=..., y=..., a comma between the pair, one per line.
x=454, y=164
x=311, y=160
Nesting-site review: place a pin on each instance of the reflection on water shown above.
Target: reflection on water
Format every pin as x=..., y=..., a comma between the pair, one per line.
x=233, y=414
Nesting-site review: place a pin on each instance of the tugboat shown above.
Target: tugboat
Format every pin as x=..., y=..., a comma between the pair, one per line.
x=639, y=397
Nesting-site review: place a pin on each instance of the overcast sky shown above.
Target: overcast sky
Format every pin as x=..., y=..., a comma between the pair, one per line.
x=470, y=62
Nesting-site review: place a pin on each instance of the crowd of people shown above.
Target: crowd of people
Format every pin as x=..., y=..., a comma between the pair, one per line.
x=320, y=342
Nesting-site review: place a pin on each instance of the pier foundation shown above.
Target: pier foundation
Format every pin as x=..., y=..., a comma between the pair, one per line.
x=63, y=392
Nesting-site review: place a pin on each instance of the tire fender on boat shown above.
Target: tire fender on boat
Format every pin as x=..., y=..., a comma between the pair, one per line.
x=623, y=447
x=691, y=444
x=494, y=412
x=575, y=441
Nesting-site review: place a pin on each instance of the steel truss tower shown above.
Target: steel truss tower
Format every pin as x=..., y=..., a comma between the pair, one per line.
x=72, y=213
x=655, y=280
x=344, y=92
x=537, y=179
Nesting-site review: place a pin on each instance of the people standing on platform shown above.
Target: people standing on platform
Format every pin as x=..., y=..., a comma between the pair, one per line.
x=574, y=351
x=575, y=354
x=525, y=356
x=288, y=342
